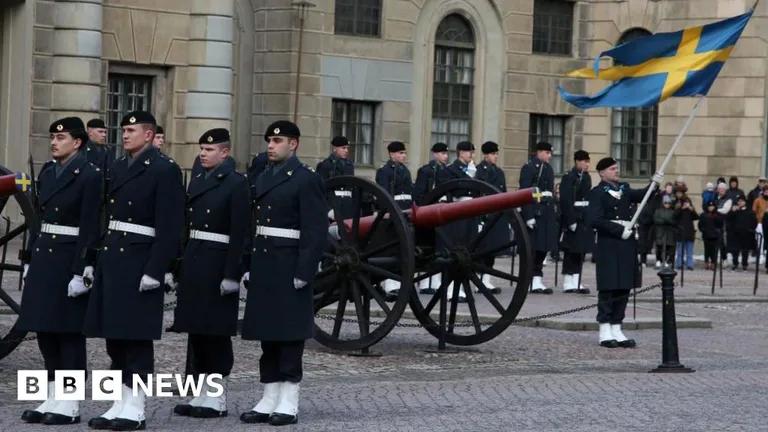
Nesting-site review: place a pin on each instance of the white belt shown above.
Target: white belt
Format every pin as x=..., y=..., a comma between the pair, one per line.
x=464, y=198
x=60, y=229
x=342, y=193
x=403, y=197
x=278, y=232
x=546, y=194
x=581, y=204
x=209, y=236
x=131, y=228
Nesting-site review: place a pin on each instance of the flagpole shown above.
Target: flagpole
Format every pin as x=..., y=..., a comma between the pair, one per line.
x=660, y=172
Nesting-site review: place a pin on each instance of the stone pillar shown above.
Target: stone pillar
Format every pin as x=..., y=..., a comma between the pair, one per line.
x=76, y=62
x=209, y=74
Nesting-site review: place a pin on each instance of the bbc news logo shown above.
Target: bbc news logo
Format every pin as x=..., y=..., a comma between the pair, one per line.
x=106, y=385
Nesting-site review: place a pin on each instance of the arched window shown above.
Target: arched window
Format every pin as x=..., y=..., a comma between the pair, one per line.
x=634, y=130
x=454, y=75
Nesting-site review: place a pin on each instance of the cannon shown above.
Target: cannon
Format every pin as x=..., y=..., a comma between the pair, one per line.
x=14, y=189
x=372, y=241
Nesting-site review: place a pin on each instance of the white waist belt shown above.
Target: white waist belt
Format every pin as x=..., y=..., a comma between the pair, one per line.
x=464, y=198
x=131, y=228
x=581, y=204
x=403, y=197
x=209, y=236
x=278, y=232
x=60, y=229
x=546, y=194
x=343, y=194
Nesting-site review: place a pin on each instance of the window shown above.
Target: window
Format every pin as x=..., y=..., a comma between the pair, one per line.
x=355, y=120
x=634, y=131
x=452, y=88
x=125, y=93
x=551, y=129
x=552, y=26
x=358, y=17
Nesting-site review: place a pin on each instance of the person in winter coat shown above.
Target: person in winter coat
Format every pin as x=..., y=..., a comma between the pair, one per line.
x=685, y=214
x=740, y=225
x=760, y=205
x=711, y=228
x=708, y=195
x=733, y=189
x=665, y=227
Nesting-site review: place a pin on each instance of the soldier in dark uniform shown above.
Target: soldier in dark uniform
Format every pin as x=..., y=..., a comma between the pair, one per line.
x=395, y=178
x=95, y=148
x=291, y=230
x=159, y=140
x=427, y=177
x=610, y=210
x=338, y=164
x=540, y=217
x=489, y=172
x=578, y=237
x=54, y=298
x=218, y=214
x=145, y=207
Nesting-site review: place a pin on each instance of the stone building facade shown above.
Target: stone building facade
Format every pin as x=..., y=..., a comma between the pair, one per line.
x=378, y=70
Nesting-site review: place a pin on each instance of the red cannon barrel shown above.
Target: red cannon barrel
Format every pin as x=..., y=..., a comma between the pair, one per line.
x=11, y=183
x=435, y=215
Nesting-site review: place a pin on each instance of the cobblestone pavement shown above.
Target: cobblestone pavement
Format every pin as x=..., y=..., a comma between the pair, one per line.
x=527, y=379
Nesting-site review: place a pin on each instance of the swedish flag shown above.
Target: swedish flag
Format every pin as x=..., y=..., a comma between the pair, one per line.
x=23, y=182
x=654, y=68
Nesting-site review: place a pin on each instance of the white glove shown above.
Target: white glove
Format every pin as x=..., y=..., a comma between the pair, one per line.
x=245, y=279
x=147, y=283
x=572, y=227
x=229, y=286
x=331, y=215
x=298, y=283
x=169, y=280
x=480, y=228
x=626, y=234
x=531, y=223
x=759, y=228
x=76, y=287
x=658, y=177
x=26, y=269
x=88, y=276
x=471, y=169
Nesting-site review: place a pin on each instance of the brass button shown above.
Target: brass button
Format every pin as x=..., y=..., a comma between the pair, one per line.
x=109, y=232
x=207, y=210
x=111, y=217
x=130, y=219
x=258, y=207
x=112, y=201
x=269, y=220
x=56, y=209
x=190, y=209
x=254, y=249
x=122, y=250
x=105, y=248
x=53, y=236
x=265, y=251
x=130, y=203
x=206, y=225
x=269, y=207
x=50, y=250
x=125, y=234
x=37, y=249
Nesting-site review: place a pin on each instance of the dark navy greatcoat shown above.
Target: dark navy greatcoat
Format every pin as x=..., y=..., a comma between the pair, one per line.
x=545, y=233
x=617, y=267
x=219, y=204
x=292, y=198
x=73, y=199
x=257, y=166
x=427, y=178
x=500, y=234
x=395, y=178
x=97, y=154
x=462, y=230
x=149, y=192
x=575, y=188
x=334, y=166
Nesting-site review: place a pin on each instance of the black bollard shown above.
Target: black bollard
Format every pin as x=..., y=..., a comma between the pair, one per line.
x=670, y=358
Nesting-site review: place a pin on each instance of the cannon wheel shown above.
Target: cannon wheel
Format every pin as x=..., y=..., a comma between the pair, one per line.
x=460, y=259
x=10, y=335
x=352, y=270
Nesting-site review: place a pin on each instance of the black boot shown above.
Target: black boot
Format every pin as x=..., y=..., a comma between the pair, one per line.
x=32, y=416
x=254, y=417
x=278, y=419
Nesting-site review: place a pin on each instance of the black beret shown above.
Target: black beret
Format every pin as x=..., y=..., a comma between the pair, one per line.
x=96, y=123
x=339, y=141
x=465, y=146
x=68, y=124
x=545, y=146
x=282, y=128
x=489, y=147
x=214, y=136
x=160, y=130
x=395, y=146
x=138, y=117
x=439, y=147
x=581, y=155
x=606, y=163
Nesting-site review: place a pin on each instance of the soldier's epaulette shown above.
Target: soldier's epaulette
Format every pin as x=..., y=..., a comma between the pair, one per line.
x=94, y=166
x=308, y=167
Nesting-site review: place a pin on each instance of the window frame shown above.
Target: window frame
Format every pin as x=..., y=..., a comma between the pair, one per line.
x=547, y=10
x=345, y=129
x=536, y=135
x=356, y=20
